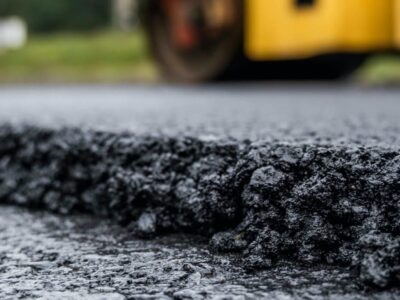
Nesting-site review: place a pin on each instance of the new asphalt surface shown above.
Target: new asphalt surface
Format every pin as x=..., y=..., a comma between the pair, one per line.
x=220, y=192
x=284, y=112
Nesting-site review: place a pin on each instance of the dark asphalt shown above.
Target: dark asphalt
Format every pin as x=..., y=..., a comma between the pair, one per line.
x=50, y=257
x=296, y=188
x=284, y=112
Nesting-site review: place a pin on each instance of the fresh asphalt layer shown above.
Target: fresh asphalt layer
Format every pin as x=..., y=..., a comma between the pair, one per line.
x=295, y=189
x=51, y=257
x=284, y=112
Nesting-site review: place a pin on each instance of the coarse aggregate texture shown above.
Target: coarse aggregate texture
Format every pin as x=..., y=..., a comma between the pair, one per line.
x=51, y=257
x=271, y=203
x=298, y=178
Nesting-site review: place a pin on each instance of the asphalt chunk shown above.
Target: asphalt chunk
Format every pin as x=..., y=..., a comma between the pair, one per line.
x=268, y=202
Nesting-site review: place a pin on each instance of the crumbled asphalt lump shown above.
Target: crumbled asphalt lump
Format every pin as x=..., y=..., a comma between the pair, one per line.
x=269, y=203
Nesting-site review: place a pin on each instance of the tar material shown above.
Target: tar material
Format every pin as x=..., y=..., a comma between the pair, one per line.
x=272, y=179
x=269, y=203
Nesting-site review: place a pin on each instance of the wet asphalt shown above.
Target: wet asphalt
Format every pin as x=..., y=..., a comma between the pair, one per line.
x=47, y=256
x=227, y=163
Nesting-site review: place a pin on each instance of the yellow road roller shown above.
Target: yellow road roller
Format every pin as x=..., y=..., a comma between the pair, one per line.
x=206, y=40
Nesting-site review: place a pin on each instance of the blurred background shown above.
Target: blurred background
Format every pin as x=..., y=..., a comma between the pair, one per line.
x=73, y=41
x=99, y=41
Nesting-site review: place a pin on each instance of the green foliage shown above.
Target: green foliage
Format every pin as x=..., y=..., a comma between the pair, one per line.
x=381, y=70
x=101, y=57
x=57, y=15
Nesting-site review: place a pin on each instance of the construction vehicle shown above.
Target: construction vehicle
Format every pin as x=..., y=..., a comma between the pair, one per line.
x=206, y=40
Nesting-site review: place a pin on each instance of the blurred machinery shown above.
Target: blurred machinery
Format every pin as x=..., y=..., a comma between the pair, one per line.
x=203, y=40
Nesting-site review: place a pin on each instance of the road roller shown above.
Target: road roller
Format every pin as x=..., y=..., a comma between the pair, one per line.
x=208, y=40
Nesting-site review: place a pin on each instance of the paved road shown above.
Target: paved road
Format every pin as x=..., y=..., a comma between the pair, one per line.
x=51, y=257
x=339, y=112
x=266, y=174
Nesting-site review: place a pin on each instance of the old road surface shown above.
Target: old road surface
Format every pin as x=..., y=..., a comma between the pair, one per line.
x=219, y=192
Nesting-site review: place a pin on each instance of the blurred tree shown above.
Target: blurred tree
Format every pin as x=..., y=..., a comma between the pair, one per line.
x=56, y=15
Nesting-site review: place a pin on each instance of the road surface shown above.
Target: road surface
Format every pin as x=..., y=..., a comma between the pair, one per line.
x=50, y=257
x=240, y=192
x=316, y=112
